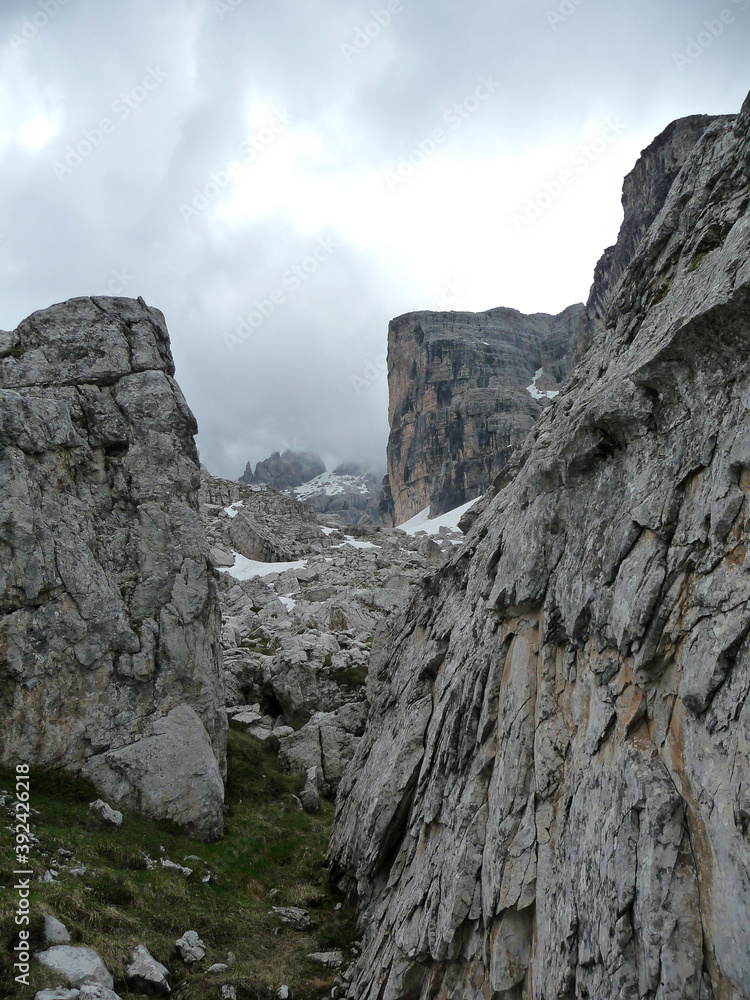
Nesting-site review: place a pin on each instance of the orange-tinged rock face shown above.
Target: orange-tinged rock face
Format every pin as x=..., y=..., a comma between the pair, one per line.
x=576, y=770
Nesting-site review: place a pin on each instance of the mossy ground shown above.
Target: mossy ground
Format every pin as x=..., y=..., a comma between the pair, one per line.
x=271, y=855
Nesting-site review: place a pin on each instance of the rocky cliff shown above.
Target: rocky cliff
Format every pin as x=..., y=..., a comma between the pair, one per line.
x=459, y=402
x=464, y=390
x=285, y=471
x=110, y=659
x=552, y=796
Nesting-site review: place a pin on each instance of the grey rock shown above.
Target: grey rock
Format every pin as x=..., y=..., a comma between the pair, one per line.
x=145, y=974
x=294, y=917
x=76, y=964
x=104, y=570
x=458, y=399
x=170, y=773
x=216, y=969
x=310, y=796
x=106, y=813
x=285, y=471
x=228, y=992
x=57, y=994
x=191, y=947
x=55, y=931
x=96, y=991
x=330, y=959
x=551, y=795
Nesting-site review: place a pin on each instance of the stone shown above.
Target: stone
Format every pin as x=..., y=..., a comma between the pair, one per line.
x=330, y=959
x=283, y=993
x=145, y=974
x=191, y=947
x=216, y=969
x=170, y=773
x=57, y=994
x=95, y=991
x=309, y=796
x=103, y=557
x=294, y=917
x=228, y=993
x=76, y=964
x=551, y=798
x=55, y=931
x=106, y=813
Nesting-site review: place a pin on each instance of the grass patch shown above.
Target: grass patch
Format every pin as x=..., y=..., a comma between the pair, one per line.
x=271, y=855
x=352, y=677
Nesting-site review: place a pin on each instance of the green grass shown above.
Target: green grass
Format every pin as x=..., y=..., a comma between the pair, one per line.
x=352, y=676
x=271, y=855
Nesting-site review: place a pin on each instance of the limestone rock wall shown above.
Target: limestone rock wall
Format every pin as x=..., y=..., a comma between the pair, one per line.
x=552, y=795
x=458, y=399
x=109, y=618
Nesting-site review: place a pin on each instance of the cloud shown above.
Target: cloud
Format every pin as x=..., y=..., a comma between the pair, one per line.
x=283, y=124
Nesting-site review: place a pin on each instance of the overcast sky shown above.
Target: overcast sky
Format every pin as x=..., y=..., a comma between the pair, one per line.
x=282, y=177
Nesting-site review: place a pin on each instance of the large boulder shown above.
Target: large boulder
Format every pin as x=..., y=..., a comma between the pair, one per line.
x=109, y=617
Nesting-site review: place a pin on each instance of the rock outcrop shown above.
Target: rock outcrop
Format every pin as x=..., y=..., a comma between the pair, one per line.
x=552, y=795
x=285, y=471
x=109, y=616
x=644, y=192
x=464, y=390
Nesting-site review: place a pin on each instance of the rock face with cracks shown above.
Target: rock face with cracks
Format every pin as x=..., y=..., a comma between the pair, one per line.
x=109, y=618
x=552, y=796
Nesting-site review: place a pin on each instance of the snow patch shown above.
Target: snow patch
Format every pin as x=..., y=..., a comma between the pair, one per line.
x=288, y=602
x=331, y=485
x=246, y=569
x=540, y=393
x=355, y=543
x=432, y=525
x=233, y=509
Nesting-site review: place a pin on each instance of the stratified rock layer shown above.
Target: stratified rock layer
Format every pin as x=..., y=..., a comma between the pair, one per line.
x=552, y=796
x=109, y=618
x=459, y=400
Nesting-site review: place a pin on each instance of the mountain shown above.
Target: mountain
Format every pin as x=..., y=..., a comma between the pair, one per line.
x=285, y=471
x=464, y=388
x=552, y=794
x=344, y=496
x=462, y=394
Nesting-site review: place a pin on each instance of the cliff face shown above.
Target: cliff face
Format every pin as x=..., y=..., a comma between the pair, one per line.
x=110, y=661
x=459, y=402
x=285, y=471
x=457, y=381
x=644, y=192
x=552, y=796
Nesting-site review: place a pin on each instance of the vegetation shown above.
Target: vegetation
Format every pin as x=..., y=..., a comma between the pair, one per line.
x=271, y=855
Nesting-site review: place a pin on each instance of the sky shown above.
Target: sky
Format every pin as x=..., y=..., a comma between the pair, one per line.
x=283, y=177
